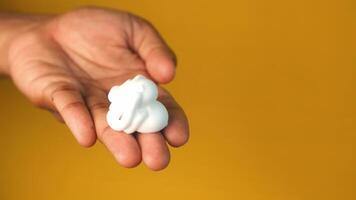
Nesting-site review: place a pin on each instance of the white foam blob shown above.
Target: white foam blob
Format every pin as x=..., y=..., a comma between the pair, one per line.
x=134, y=107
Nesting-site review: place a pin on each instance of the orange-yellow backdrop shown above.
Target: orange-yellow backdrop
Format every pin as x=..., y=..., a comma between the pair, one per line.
x=270, y=90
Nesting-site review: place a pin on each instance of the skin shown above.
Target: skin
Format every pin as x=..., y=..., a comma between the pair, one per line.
x=67, y=63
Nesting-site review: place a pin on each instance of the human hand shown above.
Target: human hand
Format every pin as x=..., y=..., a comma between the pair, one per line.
x=68, y=63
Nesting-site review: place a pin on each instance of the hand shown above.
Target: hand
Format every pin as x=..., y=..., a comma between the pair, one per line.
x=67, y=64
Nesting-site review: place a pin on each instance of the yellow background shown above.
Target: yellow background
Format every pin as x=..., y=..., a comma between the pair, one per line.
x=270, y=91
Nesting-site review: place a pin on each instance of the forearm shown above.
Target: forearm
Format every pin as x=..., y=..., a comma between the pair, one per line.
x=11, y=26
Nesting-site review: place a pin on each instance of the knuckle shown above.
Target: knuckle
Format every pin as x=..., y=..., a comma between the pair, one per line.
x=61, y=88
x=99, y=105
x=103, y=133
x=53, y=89
x=71, y=106
x=95, y=103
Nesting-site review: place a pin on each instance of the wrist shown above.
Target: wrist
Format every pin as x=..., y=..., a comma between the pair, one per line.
x=11, y=27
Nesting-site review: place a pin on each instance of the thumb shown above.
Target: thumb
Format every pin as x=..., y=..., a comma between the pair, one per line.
x=159, y=58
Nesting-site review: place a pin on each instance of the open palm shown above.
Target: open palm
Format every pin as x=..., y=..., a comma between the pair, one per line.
x=67, y=64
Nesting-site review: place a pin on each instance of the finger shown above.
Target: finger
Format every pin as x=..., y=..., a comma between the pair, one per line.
x=159, y=58
x=177, y=131
x=69, y=104
x=155, y=153
x=124, y=147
